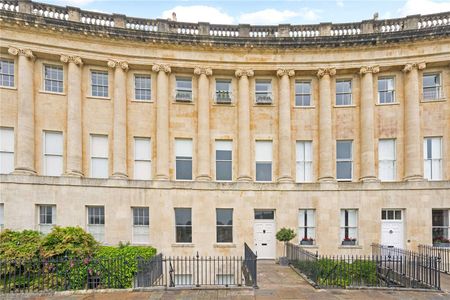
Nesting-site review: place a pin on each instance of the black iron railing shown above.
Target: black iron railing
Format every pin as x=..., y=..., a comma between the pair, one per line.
x=386, y=267
x=250, y=265
x=442, y=252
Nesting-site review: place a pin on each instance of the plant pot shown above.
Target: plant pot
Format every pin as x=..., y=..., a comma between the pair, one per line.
x=283, y=261
x=307, y=243
x=348, y=243
x=442, y=245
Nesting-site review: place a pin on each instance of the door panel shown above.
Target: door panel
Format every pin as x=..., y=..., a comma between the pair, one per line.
x=264, y=237
x=392, y=234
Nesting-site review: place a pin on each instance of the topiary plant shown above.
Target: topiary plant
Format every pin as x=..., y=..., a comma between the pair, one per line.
x=285, y=235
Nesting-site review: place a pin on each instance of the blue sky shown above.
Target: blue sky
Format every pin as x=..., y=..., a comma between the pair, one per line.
x=263, y=11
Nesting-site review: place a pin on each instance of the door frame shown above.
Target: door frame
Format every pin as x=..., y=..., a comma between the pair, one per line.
x=272, y=221
x=402, y=221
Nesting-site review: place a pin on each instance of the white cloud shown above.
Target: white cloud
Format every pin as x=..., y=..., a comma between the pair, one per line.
x=274, y=16
x=199, y=13
x=412, y=7
x=340, y=3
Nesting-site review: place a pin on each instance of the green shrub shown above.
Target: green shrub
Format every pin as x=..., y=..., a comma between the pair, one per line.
x=285, y=234
x=68, y=241
x=20, y=245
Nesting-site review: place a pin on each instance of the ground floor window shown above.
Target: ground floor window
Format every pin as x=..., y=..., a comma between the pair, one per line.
x=307, y=227
x=349, y=227
x=183, y=225
x=141, y=225
x=440, y=226
x=96, y=222
x=47, y=218
x=224, y=225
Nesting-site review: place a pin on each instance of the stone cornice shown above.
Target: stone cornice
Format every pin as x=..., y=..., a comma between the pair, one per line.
x=419, y=66
x=288, y=72
x=243, y=72
x=71, y=59
x=369, y=69
x=117, y=64
x=203, y=70
x=330, y=71
x=161, y=67
x=22, y=52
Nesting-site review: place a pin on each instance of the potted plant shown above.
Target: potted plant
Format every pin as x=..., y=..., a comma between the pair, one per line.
x=441, y=241
x=285, y=235
x=349, y=241
x=307, y=241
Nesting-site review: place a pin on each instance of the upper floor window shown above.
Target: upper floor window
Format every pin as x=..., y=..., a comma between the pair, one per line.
x=224, y=160
x=53, y=153
x=99, y=156
x=141, y=222
x=344, y=160
x=440, y=226
x=224, y=225
x=386, y=159
x=6, y=150
x=223, y=91
x=183, y=89
x=183, y=225
x=432, y=155
x=47, y=218
x=263, y=91
x=307, y=226
x=96, y=222
x=142, y=158
x=386, y=90
x=304, y=161
x=6, y=73
x=432, y=86
x=99, y=82
x=53, y=78
x=263, y=158
x=142, y=87
x=183, y=159
x=303, y=93
x=343, y=92
x=349, y=227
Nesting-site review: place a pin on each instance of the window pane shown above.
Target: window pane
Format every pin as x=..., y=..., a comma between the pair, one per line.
x=183, y=147
x=223, y=85
x=184, y=234
x=99, y=168
x=263, y=86
x=264, y=214
x=224, y=170
x=99, y=146
x=6, y=139
x=184, y=169
x=263, y=171
x=53, y=142
x=142, y=149
x=183, y=216
x=53, y=165
x=184, y=83
x=344, y=150
x=223, y=155
x=224, y=216
x=6, y=163
x=224, y=234
x=344, y=170
x=263, y=151
x=142, y=170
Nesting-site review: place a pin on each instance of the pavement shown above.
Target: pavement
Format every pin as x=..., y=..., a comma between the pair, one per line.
x=275, y=282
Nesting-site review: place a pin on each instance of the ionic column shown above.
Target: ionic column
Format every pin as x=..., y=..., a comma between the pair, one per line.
x=203, y=142
x=367, y=130
x=74, y=129
x=120, y=118
x=24, y=162
x=244, y=138
x=413, y=161
x=162, y=121
x=326, y=156
x=284, y=126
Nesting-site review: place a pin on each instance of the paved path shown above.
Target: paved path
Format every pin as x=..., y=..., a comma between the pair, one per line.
x=274, y=282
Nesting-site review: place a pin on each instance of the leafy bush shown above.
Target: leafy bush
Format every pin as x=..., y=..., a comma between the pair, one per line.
x=19, y=245
x=285, y=234
x=68, y=241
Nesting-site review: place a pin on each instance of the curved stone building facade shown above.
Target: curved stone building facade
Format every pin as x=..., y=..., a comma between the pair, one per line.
x=200, y=137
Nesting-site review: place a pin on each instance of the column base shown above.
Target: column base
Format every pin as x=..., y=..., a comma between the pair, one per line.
x=119, y=175
x=161, y=177
x=369, y=179
x=285, y=179
x=73, y=173
x=327, y=179
x=203, y=178
x=23, y=171
x=414, y=178
x=244, y=179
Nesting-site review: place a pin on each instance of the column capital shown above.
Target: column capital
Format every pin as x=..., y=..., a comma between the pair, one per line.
x=21, y=51
x=118, y=64
x=282, y=71
x=369, y=69
x=243, y=72
x=203, y=70
x=71, y=59
x=161, y=67
x=409, y=66
x=330, y=71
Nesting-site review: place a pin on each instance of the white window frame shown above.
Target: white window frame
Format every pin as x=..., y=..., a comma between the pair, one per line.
x=141, y=232
x=92, y=136
x=394, y=94
x=345, y=160
x=188, y=91
x=136, y=88
x=178, y=143
x=7, y=148
x=301, y=94
x=264, y=161
x=385, y=161
x=345, y=93
x=58, y=82
x=4, y=74
x=301, y=172
x=97, y=229
x=389, y=214
x=227, y=93
x=99, y=85
x=431, y=161
x=146, y=161
x=224, y=145
x=267, y=94
x=45, y=227
x=445, y=210
x=346, y=227
x=304, y=215
x=437, y=87
x=47, y=154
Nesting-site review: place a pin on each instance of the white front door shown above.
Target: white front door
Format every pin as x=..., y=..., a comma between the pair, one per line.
x=264, y=234
x=392, y=228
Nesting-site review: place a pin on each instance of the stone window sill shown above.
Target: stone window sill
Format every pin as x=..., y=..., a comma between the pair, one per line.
x=51, y=93
x=224, y=245
x=179, y=102
x=98, y=98
x=434, y=100
x=224, y=104
x=183, y=245
x=387, y=104
x=350, y=247
x=304, y=107
x=263, y=105
x=8, y=87
x=344, y=106
x=309, y=246
x=142, y=101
